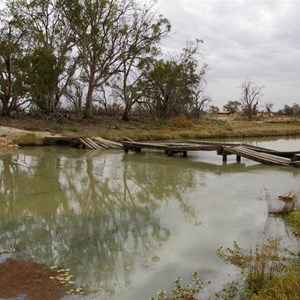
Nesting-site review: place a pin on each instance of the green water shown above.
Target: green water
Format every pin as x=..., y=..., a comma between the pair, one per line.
x=128, y=224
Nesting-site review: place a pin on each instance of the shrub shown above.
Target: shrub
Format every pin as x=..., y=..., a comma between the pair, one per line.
x=184, y=135
x=182, y=122
x=73, y=129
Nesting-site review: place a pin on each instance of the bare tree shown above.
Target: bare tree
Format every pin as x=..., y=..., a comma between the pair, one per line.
x=251, y=94
x=268, y=107
x=199, y=102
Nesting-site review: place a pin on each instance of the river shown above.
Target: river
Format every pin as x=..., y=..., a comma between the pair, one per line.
x=128, y=224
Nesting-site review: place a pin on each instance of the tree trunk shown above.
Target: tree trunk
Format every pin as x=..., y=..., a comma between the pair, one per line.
x=126, y=112
x=5, y=110
x=89, y=102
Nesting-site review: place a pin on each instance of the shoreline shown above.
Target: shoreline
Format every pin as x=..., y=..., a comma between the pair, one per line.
x=27, y=131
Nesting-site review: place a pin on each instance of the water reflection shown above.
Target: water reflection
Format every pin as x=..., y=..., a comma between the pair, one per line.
x=127, y=225
x=93, y=213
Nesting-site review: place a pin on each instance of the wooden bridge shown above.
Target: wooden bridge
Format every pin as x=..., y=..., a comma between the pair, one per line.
x=259, y=154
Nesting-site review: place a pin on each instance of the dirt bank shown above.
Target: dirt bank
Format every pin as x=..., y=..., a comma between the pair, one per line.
x=9, y=134
x=32, y=280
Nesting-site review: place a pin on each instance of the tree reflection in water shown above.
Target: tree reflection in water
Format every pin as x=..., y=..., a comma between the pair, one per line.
x=95, y=213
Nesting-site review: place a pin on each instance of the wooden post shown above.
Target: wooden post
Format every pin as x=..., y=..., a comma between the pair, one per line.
x=238, y=158
x=224, y=158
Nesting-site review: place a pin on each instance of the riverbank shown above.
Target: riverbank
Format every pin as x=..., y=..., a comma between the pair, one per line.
x=27, y=130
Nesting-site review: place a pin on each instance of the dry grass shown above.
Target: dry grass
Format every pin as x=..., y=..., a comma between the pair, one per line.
x=113, y=128
x=28, y=139
x=286, y=287
x=203, y=130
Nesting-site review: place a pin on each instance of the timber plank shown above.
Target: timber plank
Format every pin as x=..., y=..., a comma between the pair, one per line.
x=87, y=143
x=144, y=145
x=265, y=158
x=108, y=143
x=190, y=147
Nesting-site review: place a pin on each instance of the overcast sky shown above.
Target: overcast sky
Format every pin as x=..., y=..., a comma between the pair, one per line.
x=242, y=38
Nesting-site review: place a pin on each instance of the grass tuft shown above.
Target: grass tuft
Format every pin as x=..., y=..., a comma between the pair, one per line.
x=28, y=139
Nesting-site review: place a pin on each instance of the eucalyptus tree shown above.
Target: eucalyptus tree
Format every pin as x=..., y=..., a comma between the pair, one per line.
x=213, y=110
x=251, y=95
x=95, y=25
x=108, y=34
x=50, y=61
x=232, y=106
x=171, y=85
x=142, y=42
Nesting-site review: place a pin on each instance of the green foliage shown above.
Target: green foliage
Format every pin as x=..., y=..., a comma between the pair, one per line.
x=38, y=60
x=294, y=219
x=111, y=37
x=181, y=292
x=10, y=57
x=213, y=109
x=234, y=291
x=85, y=49
x=184, y=135
x=174, y=86
x=232, y=106
x=41, y=77
x=73, y=129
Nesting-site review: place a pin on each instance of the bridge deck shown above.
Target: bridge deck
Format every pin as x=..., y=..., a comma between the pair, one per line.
x=259, y=154
x=169, y=148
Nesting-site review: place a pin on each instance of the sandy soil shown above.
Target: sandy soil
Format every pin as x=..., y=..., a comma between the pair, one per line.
x=8, y=134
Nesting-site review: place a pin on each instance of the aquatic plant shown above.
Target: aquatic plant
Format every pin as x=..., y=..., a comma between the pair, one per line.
x=290, y=201
x=181, y=292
